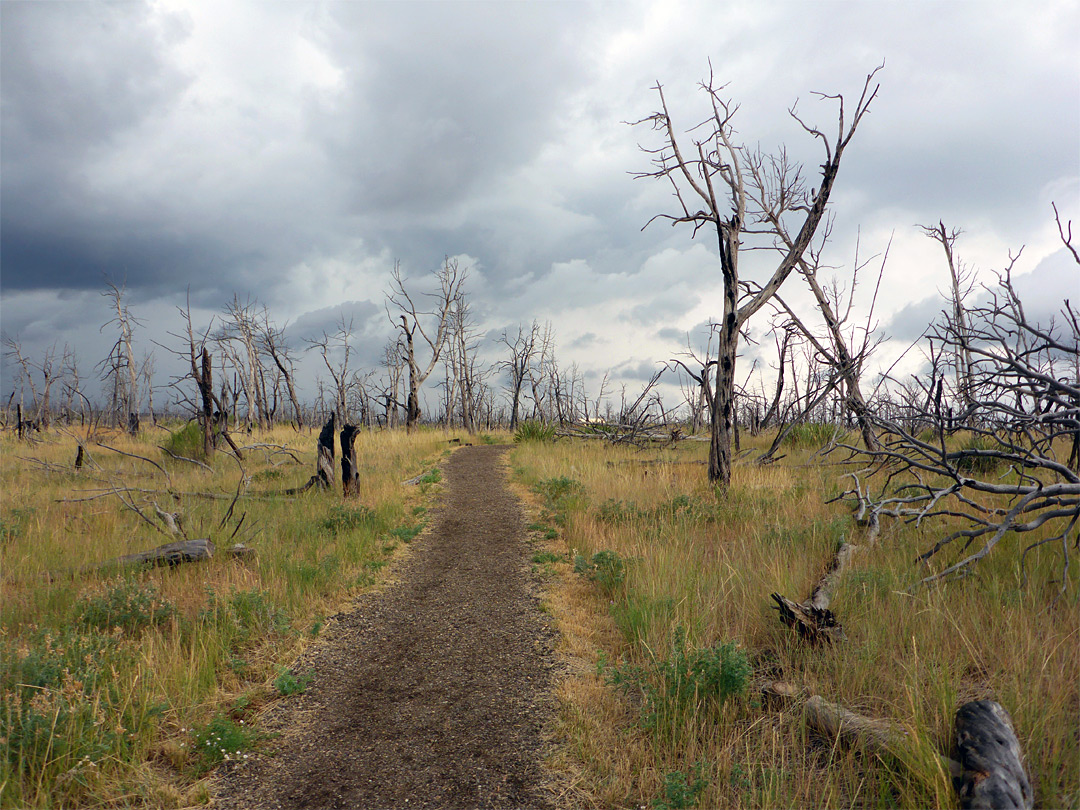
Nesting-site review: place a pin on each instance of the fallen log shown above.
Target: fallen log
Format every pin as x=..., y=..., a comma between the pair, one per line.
x=183, y=551
x=812, y=618
x=991, y=762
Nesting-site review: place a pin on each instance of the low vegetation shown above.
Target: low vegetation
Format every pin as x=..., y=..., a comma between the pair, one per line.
x=125, y=686
x=660, y=585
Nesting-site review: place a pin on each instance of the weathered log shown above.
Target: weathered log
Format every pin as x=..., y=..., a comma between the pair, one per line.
x=350, y=473
x=812, y=618
x=324, y=464
x=992, y=766
x=822, y=594
x=837, y=723
x=875, y=736
x=183, y=551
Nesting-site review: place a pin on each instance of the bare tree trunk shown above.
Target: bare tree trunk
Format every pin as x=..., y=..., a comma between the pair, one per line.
x=350, y=472
x=206, y=391
x=324, y=465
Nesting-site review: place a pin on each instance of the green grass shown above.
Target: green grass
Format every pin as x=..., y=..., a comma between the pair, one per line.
x=111, y=682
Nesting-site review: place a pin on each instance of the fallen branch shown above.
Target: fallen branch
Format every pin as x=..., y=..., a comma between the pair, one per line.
x=812, y=618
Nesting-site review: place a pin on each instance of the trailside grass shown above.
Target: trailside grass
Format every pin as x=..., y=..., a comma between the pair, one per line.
x=662, y=583
x=125, y=686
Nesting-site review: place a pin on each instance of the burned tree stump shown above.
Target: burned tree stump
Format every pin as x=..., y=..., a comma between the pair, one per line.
x=324, y=465
x=811, y=623
x=993, y=771
x=350, y=473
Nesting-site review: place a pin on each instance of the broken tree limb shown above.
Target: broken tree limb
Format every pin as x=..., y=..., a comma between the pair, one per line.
x=812, y=618
x=991, y=762
x=875, y=736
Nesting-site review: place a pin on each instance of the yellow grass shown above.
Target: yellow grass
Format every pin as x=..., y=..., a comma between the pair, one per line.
x=111, y=723
x=911, y=657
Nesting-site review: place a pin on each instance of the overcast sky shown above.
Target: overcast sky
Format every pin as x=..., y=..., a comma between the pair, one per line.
x=289, y=153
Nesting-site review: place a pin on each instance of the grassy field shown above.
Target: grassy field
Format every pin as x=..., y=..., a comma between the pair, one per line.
x=661, y=588
x=126, y=687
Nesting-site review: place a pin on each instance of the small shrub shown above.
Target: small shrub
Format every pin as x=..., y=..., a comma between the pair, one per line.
x=289, y=683
x=532, y=430
x=555, y=491
x=406, y=534
x=606, y=568
x=614, y=511
x=187, y=442
x=681, y=790
x=686, y=683
x=346, y=519
x=543, y=557
x=974, y=457
x=432, y=476
x=13, y=524
x=130, y=605
x=221, y=740
x=243, y=615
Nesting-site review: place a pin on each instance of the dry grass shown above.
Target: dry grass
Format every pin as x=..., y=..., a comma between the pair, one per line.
x=91, y=714
x=709, y=568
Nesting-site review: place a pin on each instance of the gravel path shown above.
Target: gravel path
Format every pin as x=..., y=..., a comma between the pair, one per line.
x=433, y=692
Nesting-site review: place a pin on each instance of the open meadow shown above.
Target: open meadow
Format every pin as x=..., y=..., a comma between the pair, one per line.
x=128, y=685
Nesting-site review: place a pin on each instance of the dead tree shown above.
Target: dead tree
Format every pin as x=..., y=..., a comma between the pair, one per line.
x=324, y=463
x=1010, y=471
x=238, y=338
x=517, y=365
x=737, y=191
x=272, y=342
x=845, y=356
x=120, y=367
x=335, y=351
x=961, y=283
x=350, y=471
x=412, y=324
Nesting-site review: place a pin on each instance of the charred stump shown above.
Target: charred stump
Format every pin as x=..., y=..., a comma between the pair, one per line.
x=79, y=458
x=324, y=465
x=993, y=771
x=350, y=473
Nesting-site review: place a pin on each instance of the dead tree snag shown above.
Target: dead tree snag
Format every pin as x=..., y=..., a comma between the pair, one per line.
x=350, y=473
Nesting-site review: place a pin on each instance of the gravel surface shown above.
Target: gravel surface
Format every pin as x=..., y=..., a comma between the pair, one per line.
x=433, y=692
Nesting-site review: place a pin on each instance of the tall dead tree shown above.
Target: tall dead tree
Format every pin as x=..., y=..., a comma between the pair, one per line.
x=120, y=368
x=844, y=355
x=961, y=283
x=411, y=319
x=272, y=342
x=517, y=364
x=336, y=350
x=737, y=191
x=238, y=337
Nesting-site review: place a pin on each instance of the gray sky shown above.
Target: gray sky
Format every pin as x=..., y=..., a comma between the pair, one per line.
x=291, y=152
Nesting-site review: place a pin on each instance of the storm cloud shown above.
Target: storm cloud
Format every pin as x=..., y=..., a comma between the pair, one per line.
x=291, y=153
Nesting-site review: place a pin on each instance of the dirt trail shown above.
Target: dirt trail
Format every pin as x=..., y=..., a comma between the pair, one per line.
x=429, y=694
